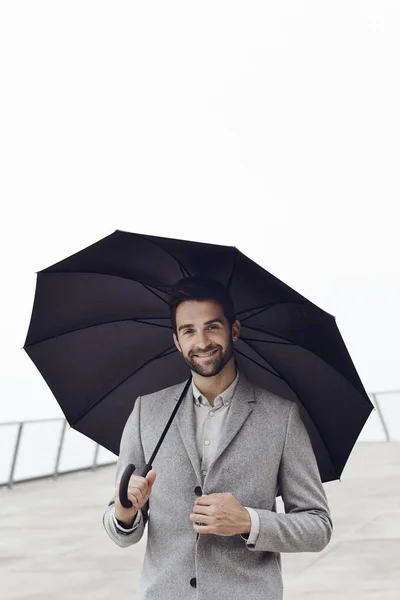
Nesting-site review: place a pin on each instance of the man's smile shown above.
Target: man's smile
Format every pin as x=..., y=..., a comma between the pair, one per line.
x=206, y=355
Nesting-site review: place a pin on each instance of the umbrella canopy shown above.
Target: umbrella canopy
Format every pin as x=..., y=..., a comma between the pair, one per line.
x=100, y=334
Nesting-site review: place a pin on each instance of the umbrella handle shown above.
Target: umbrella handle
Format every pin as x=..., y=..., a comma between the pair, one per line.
x=123, y=486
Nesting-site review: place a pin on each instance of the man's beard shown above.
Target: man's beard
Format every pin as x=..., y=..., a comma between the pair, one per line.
x=214, y=365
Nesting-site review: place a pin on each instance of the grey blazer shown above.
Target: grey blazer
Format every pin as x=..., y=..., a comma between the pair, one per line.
x=264, y=447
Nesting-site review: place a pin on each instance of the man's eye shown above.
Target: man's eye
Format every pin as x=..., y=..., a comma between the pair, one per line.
x=187, y=331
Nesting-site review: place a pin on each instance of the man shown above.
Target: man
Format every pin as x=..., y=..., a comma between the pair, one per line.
x=213, y=530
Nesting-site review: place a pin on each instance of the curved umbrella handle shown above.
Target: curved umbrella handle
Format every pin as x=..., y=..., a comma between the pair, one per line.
x=123, y=486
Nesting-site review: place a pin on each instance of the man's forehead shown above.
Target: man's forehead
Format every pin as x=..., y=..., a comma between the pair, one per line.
x=199, y=309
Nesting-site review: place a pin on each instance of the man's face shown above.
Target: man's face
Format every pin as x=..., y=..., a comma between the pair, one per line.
x=204, y=336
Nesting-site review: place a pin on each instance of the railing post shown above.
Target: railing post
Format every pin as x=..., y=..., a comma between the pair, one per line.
x=96, y=454
x=380, y=414
x=60, y=447
x=14, y=461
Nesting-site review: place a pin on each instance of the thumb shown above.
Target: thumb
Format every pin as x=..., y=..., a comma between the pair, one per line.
x=151, y=477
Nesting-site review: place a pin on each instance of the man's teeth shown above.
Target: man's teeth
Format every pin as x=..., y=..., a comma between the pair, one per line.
x=204, y=355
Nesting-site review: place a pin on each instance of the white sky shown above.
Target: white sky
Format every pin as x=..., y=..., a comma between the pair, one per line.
x=271, y=126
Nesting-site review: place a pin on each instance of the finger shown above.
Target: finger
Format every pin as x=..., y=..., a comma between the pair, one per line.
x=204, y=501
x=146, y=484
x=150, y=477
x=198, y=519
x=203, y=528
x=138, y=493
x=135, y=500
x=201, y=510
x=139, y=484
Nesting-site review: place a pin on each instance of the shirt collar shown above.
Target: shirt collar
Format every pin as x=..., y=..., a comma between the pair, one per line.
x=226, y=395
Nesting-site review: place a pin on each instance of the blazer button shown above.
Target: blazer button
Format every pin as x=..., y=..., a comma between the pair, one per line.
x=197, y=490
x=193, y=582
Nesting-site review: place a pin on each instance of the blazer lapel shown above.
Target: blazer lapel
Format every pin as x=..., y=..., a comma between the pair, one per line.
x=186, y=422
x=239, y=410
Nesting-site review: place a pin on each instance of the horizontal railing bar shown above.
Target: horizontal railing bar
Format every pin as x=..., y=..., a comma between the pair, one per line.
x=61, y=473
x=32, y=421
x=385, y=393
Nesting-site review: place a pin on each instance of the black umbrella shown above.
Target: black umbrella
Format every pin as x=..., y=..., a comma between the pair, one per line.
x=100, y=335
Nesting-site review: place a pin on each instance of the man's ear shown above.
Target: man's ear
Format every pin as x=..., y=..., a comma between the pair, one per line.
x=177, y=343
x=236, y=330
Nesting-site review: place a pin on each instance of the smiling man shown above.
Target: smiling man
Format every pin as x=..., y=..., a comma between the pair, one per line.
x=213, y=529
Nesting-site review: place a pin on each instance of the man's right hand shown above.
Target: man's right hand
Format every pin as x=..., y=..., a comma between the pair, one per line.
x=139, y=490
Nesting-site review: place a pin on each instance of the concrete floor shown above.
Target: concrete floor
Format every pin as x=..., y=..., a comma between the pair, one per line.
x=52, y=541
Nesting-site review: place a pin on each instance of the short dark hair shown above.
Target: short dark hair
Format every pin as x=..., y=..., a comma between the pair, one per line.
x=201, y=288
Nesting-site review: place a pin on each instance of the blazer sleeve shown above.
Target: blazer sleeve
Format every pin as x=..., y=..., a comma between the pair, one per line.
x=306, y=525
x=131, y=451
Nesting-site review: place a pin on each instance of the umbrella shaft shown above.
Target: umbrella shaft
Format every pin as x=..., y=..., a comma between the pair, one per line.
x=148, y=467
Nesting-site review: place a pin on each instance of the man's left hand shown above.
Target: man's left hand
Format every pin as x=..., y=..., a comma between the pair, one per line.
x=220, y=514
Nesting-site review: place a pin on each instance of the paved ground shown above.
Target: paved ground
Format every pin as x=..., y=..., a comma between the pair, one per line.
x=52, y=542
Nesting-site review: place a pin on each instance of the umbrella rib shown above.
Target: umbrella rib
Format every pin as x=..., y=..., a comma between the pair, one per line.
x=258, y=364
x=263, y=358
x=53, y=337
x=311, y=418
x=266, y=341
x=259, y=310
x=149, y=319
x=182, y=268
x=152, y=292
x=167, y=352
x=233, y=269
x=163, y=354
x=365, y=398
x=264, y=307
x=274, y=334
x=44, y=272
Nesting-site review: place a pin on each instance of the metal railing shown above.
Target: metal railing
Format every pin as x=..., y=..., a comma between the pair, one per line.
x=384, y=422
x=42, y=448
x=376, y=403
x=26, y=454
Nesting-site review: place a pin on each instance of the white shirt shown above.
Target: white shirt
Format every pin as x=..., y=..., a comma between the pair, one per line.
x=210, y=421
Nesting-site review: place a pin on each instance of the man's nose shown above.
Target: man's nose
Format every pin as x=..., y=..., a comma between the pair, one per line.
x=202, y=340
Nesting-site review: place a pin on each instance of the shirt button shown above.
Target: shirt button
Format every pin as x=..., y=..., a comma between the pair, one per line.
x=193, y=582
x=207, y=442
x=198, y=490
x=211, y=414
x=204, y=472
